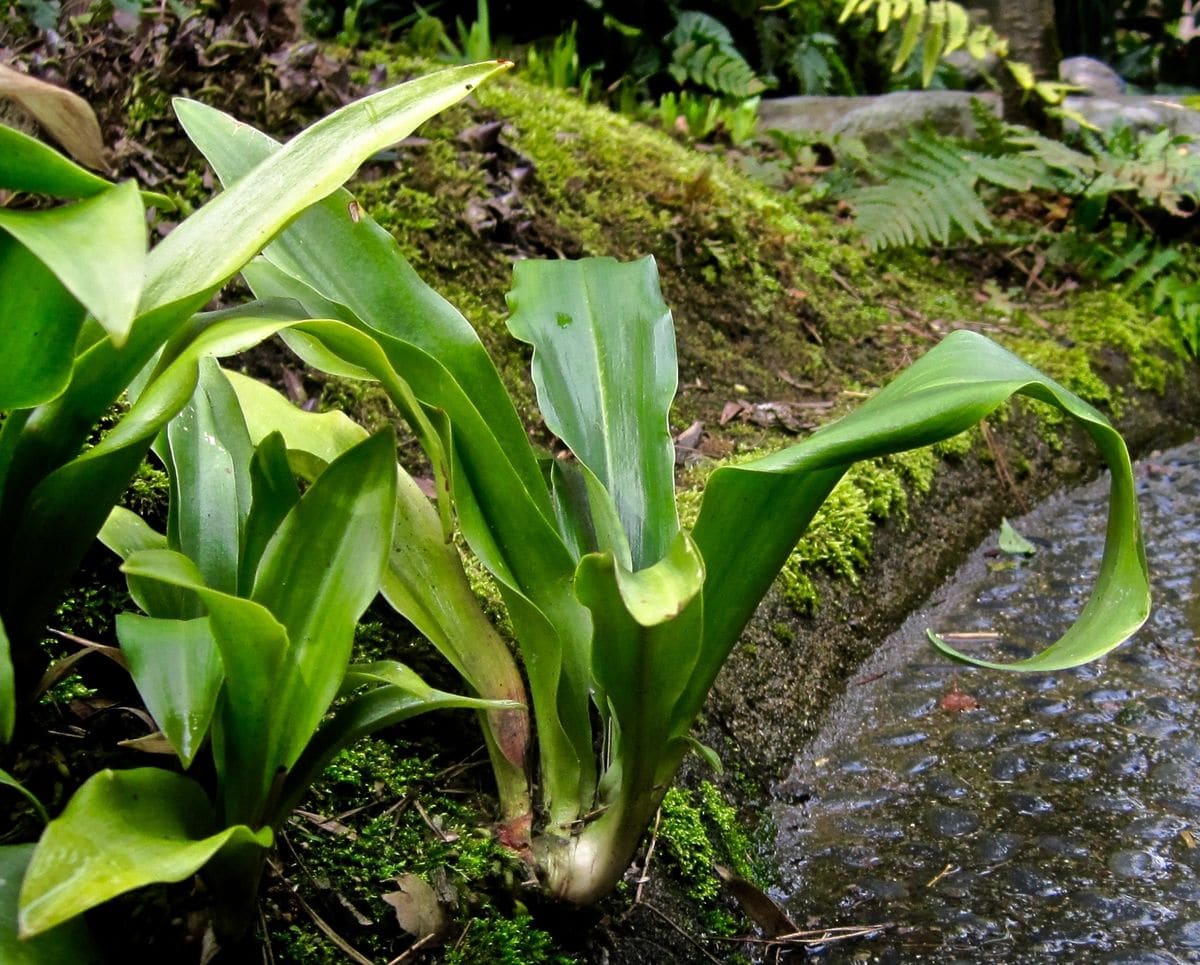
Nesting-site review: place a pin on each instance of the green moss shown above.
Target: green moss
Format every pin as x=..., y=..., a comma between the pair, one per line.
x=396, y=822
x=688, y=848
x=699, y=829
x=957, y=447
x=505, y=941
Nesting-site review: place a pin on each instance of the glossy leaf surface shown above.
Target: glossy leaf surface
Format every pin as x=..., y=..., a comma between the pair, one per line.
x=178, y=672
x=605, y=370
x=122, y=830
x=207, y=455
x=95, y=247
x=956, y=384
x=26, y=164
x=41, y=321
x=70, y=942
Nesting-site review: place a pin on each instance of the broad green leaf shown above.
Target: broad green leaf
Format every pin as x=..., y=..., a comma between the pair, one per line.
x=178, y=672
x=207, y=455
x=26, y=164
x=213, y=244
x=125, y=533
x=648, y=638
x=120, y=831
x=605, y=370
x=320, y=572
x=62, y=114
x=752, y=514
x=40, y=319
x=320, y=437
x=248, y=728
x=70, y=942
x=96, y=248
x=274, y=493
x=1013, y=542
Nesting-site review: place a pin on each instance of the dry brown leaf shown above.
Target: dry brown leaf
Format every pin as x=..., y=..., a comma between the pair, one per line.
x=65, y=116
x=154, y=743
x=757, y=905
x=417, y=908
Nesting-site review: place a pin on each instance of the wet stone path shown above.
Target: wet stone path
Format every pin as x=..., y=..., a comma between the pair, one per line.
x=1059, y=819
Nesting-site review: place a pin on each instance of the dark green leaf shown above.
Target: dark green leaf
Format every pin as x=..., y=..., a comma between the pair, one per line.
x=70, y=942
x=274, y=493
x=26, y=164
x=319, y=573
x=208, y=455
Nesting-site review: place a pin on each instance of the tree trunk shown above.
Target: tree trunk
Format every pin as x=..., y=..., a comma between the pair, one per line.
x=1029, y=27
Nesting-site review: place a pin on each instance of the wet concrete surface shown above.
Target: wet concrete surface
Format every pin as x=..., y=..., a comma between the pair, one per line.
x=1059, y=818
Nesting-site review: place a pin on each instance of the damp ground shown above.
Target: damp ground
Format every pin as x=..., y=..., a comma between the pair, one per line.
x=989, y=817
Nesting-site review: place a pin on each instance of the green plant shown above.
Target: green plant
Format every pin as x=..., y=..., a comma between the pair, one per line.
x=559, y=67
x=701, y=115
x=623, y=617
x=703, y=53
x=89, y=314
x=929, y=190
x=244, y=645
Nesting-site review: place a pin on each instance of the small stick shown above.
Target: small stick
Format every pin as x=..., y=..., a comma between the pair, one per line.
x=349, y=950
x=944, y=873
x=645, y=875
x=416, y=947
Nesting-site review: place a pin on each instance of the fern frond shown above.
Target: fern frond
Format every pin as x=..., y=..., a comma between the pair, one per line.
x=716, y=69
x=928, y=193
x=704, y=54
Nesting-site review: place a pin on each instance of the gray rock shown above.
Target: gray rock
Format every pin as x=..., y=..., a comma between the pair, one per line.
x=1095, y=77
x=973, y=73
x=878, y=121
x=1141, y=112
